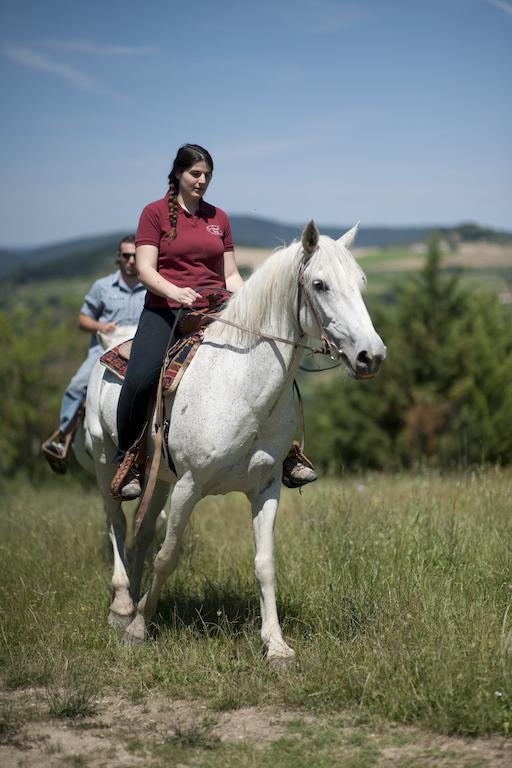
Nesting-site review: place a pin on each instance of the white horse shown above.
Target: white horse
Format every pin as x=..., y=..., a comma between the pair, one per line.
x=232, y=417
x=82, y=444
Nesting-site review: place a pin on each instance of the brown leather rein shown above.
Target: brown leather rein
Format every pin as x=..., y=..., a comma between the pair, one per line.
x=327, y=345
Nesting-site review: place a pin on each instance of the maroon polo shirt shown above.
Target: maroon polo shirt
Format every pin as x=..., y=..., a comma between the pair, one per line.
x=195, y=258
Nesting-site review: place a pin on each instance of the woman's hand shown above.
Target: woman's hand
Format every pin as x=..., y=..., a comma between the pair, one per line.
x=147, y=267
x=185, y=296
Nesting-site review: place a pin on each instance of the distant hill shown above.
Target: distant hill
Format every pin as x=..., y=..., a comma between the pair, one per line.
x=265, y=233
x=67, y=259
x=91, y=255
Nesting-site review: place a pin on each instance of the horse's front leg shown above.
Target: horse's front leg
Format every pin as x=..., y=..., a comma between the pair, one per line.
x=146, y=535
x=264, y=510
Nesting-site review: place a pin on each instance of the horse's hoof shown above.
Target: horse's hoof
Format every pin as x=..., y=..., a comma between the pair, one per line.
x=118, y=621
x=133, y=640
x=282, y=663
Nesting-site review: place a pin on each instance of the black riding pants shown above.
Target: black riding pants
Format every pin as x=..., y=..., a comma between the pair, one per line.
x=149, y=345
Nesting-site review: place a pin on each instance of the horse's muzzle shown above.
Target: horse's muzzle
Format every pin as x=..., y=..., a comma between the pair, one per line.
x=367, y=364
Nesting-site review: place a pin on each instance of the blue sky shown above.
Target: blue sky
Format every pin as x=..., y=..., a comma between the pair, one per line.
x=388, y=111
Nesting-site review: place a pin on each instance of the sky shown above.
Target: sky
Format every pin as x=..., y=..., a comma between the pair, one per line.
x=391, y=112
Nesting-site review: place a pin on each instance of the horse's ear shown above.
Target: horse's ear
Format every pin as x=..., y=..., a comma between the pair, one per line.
x=348, y=238
x=310, y=238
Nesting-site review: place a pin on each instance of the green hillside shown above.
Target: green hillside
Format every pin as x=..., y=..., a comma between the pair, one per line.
x=94, y=255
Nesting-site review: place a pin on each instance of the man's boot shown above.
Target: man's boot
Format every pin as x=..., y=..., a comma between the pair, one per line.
x=297, y=468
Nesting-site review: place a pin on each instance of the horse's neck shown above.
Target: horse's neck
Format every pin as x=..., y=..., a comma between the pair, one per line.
x=263, y=366
x=266, y=302
x=266, y=374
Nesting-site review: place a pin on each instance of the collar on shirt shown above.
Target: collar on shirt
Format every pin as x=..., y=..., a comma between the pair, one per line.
x=200, y=213
x=117, y=279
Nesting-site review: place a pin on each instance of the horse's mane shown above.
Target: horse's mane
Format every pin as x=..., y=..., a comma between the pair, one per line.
x=267, y=301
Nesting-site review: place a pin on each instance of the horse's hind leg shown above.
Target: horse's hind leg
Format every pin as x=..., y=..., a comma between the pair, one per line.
x=264, y=510
x=183, y=500
x=122, y=606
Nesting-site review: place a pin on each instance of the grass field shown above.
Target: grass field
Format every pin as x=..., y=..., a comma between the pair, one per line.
x=394, y=591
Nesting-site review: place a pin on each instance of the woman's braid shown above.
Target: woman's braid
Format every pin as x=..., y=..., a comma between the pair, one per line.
x=173, y=207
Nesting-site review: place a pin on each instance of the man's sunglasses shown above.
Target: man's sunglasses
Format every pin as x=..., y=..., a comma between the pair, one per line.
x=127, y=255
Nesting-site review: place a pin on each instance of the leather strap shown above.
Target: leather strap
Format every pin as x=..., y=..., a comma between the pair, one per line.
x=263, y=335
x=301, y=415
x=326, y=348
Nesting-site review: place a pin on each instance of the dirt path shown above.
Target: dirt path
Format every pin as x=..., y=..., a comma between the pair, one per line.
x=156, y=731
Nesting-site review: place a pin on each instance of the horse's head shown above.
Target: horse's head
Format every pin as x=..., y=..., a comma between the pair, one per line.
x=332, y=306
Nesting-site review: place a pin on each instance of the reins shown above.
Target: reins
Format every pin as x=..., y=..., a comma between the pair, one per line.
x=326, y=348
x=262, y=334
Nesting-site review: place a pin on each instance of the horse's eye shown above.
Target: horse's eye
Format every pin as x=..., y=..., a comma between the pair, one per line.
x=319, y=285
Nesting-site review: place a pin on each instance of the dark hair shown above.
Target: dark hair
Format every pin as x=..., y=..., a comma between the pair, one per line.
x=188, y=155
x=125, y=239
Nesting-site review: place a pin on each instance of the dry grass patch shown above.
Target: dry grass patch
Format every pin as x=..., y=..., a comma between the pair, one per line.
x=159, y=731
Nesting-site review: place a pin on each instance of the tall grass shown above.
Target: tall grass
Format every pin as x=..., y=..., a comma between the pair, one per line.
x=394, y=591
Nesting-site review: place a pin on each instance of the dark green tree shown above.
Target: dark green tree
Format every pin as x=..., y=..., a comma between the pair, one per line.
x=442, y=396
x=36, y=360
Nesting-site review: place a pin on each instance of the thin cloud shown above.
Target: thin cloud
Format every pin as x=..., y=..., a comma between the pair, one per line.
x=95, y=49
x=502, y=5
x=41, y=63
x=323, y=17
x=261, y=148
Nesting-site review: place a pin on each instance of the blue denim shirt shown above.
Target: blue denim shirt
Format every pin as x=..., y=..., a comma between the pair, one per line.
x=110, y=300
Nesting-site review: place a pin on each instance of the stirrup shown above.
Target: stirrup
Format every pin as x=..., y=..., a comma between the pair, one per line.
x=56, y=458
x=51, y=448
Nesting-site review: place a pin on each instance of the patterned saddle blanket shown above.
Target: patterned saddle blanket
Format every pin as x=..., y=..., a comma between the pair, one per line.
x=177, y=360
x=179, y=356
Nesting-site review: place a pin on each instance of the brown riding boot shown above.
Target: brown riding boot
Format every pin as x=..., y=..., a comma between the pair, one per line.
x=126, y=483
x=297, y=468
x=131, y=487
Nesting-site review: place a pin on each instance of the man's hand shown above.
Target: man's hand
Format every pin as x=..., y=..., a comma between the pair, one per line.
x=185, y=296
x=107, y=327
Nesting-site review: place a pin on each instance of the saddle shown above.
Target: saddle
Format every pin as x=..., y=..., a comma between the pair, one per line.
x=177, y=359
x=179, y=356
x=175, y=363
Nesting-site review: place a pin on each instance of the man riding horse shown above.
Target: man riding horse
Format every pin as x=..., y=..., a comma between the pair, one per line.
x=112, y=302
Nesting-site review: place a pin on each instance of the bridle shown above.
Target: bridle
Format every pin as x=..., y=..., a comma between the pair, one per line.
x=327, y=348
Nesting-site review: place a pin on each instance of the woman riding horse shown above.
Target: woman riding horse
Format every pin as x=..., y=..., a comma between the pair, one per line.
x=184, y=253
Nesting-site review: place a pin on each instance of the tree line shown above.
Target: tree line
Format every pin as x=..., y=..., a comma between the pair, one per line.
x=442, y=398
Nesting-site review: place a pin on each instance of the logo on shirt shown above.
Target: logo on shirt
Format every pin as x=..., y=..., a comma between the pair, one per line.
x=214, y=229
